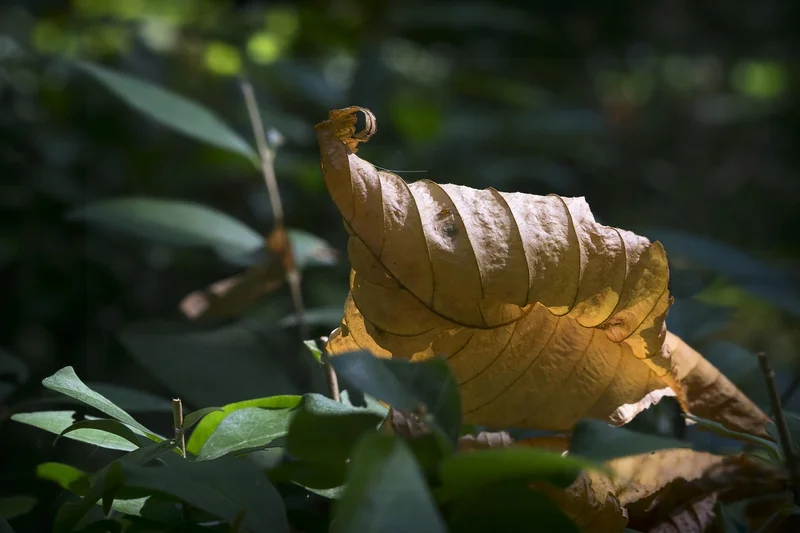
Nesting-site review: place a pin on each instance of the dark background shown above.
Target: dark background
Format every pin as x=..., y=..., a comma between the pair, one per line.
x=675, y=119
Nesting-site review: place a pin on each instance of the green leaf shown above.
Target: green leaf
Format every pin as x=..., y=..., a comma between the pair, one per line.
x=771, y=447
x=194, y=417
x=209, y=423
x=314, y=349
x=599, y=441
x=105, y=484
x=406, y=386
x=239, y=361
x=66, y=476
x=69, y=384
x=244, y=429
x=13, y=506
x=171, y=110
x=76, y=481
x=321, y=435
x=225, y=488
x=57, y=421
x=114, y=427
x=5, y=527
x=511, y=507
x=464, y=472
x=385, y=491
x=326, y=430
x=177, y=223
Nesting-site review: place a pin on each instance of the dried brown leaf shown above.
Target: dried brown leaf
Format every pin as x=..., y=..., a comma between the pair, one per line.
x=545, y=316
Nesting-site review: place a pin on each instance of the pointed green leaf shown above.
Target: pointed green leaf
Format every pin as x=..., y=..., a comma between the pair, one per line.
x=245, y=429
x=57, y=421
x=176, y=223
x=209, y=423
x=105, y=425
x=171, y=110
x=385, y=491
x=68, y=383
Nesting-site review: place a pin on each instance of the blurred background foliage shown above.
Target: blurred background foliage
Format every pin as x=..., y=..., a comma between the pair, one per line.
x=675, y=119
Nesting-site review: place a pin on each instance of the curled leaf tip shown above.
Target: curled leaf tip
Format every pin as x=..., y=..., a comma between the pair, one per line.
x=343, y=124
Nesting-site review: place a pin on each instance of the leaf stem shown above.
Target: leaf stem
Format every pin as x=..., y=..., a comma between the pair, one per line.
x=330, y=373
x=780, y=421
x=177, y=424
x=279, y=239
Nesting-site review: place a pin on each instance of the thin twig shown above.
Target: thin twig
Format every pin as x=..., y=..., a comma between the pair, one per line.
x=177, y=424
x=268, y=168
x=330, y=373
x=780, y=421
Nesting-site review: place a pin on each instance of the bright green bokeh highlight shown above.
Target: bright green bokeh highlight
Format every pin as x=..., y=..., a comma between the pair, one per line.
x=223, y=59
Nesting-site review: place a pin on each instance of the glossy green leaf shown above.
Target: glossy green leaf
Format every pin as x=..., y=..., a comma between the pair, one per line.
x=105, y=425
x=511, y=507
x=57, y=421
x=177, y=223
x=13, y=506
x=211, y=421
x=224, y=487
x=194, y=417
x=66, y=476
x=599, y=441
x=465, y=472
x=406, y=386
x=171, y=110
x=68, y=383
x=385, y=491
x=245, y=429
